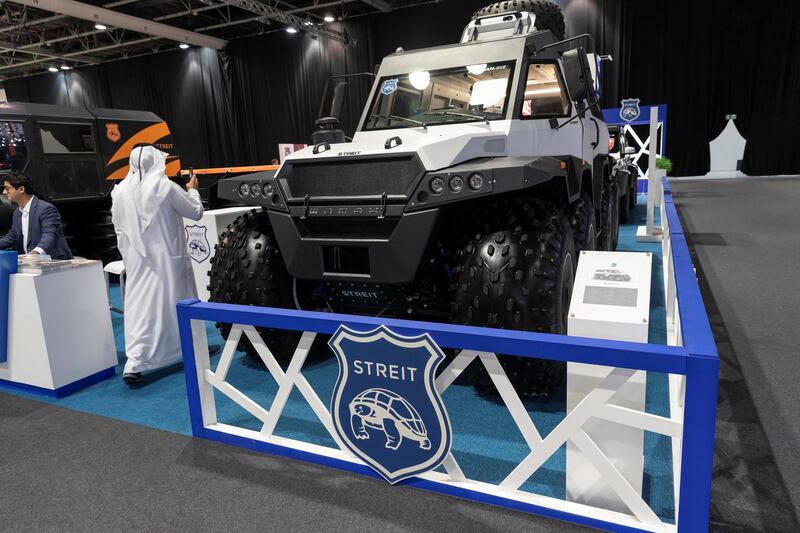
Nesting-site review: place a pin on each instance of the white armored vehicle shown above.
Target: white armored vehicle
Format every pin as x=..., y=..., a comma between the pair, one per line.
x=477, y=173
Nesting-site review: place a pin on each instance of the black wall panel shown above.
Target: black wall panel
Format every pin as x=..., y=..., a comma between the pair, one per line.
x=703, y=58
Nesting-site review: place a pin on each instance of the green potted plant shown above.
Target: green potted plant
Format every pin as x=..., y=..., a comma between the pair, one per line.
x=665, y=164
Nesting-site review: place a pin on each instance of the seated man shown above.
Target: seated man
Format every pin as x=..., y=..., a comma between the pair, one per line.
x=36, y=228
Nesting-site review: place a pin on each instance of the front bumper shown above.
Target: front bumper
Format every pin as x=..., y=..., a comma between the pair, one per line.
x=389, y=258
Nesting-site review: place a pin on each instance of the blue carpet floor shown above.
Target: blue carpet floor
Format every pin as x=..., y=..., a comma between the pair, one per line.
x=485, y=452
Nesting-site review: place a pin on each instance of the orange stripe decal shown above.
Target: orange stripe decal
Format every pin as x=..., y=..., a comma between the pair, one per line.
x=225, y=170
x=148, y=135
x=118, y=174
x=173, y=167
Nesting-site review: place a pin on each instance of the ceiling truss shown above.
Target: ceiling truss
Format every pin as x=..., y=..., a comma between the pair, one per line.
x=33, y=39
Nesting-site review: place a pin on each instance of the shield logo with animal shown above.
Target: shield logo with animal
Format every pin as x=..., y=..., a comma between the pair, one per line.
x=112, y=132
x=389, y=86
x=629, y=110
x=197, y=245
x=385, y=406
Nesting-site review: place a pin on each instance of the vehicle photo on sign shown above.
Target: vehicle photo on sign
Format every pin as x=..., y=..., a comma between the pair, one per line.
x=385, y=405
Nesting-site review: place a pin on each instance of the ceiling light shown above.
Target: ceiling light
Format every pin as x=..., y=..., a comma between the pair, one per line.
x=66, y=67
x=183, y=46
x=100, y=26
x=419, y=79
x=291, y=30
x=329, y=18
x=308, y=22
x=476, y=69
x=52, y=69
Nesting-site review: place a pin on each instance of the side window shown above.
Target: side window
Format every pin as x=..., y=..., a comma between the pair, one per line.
x=66, y=138
x=544, y=93
x=13, y=147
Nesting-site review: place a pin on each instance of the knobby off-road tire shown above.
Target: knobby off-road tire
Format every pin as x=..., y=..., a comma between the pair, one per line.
x=582, y=222
x=634, y=189
x=103, y=239
x=90, y=232
x=6, y=215
x=609, y=217
x=548, y=14
x=625, y=207
x=517, y=273
x=628, y=201
x=248, y=268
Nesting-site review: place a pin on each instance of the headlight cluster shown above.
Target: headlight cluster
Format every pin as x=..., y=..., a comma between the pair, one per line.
x=437, y=184
x=257, y=190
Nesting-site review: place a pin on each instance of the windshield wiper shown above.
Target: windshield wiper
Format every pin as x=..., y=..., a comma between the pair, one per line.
x=457, y=114
x=397, y=117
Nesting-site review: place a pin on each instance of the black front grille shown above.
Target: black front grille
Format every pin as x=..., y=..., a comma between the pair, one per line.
x=368, y=177
x=350, y=228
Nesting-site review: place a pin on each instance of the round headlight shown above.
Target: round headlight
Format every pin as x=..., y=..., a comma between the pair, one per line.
x=268, y=189
x=456, y=183
x=437, y=185
x=476, y=182
x=255, y=190
x=244, y=189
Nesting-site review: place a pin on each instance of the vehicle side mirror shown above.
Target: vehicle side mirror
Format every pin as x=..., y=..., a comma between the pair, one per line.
x=574, y=74
x=630, y=150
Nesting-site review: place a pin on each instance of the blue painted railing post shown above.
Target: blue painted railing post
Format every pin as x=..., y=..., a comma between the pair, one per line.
x=697, y=456
x=190, y=365
x=8, y=266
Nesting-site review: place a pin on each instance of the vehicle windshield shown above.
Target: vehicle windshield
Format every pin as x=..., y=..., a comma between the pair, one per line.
x=461, y=94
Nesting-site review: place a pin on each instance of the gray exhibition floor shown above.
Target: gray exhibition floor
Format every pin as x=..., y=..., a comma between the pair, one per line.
x=744, y=235
x=62, y=470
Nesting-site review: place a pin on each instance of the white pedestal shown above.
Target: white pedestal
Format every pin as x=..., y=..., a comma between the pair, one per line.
x=726, y=151
x=610, y=300
x=201, y=236
x=642, y=235
x=59, y=329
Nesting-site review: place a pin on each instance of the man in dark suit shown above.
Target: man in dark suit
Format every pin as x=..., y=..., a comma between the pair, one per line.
x=36, y=228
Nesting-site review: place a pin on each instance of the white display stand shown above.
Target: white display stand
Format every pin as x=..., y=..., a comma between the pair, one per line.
x=651, y=232
x=726, y=151
x=60, y=335
x=610, y=300
x=201, y=236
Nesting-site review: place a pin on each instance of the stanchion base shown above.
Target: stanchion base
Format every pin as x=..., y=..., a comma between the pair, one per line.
x=642, y=235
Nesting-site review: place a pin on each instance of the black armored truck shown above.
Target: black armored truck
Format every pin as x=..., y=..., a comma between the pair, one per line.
x=477, y=174
x=74, y=156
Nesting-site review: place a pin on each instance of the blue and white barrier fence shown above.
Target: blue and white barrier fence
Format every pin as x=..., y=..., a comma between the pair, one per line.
x=690, y=359
x=8, y=266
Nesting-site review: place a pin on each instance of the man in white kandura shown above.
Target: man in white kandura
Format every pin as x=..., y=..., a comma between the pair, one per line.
x=148, y=212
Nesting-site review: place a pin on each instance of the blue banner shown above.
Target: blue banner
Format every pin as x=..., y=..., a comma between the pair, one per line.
x=8, y=266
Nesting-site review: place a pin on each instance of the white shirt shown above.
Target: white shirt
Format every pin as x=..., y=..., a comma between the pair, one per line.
x=25, y=215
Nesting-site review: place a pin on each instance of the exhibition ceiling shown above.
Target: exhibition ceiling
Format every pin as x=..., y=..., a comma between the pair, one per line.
x=38, y=35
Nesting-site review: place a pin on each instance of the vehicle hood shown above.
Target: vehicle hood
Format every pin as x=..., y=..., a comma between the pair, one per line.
x=437, y=147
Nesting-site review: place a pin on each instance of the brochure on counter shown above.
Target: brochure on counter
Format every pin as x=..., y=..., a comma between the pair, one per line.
x=36, y=263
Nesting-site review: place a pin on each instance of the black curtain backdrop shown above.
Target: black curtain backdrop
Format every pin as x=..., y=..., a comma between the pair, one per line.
x=705, y=59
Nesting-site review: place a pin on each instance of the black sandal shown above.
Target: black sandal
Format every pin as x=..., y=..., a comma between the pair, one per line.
x=132, y=377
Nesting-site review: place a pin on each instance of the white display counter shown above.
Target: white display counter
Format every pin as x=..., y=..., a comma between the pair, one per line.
x=60, y=334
